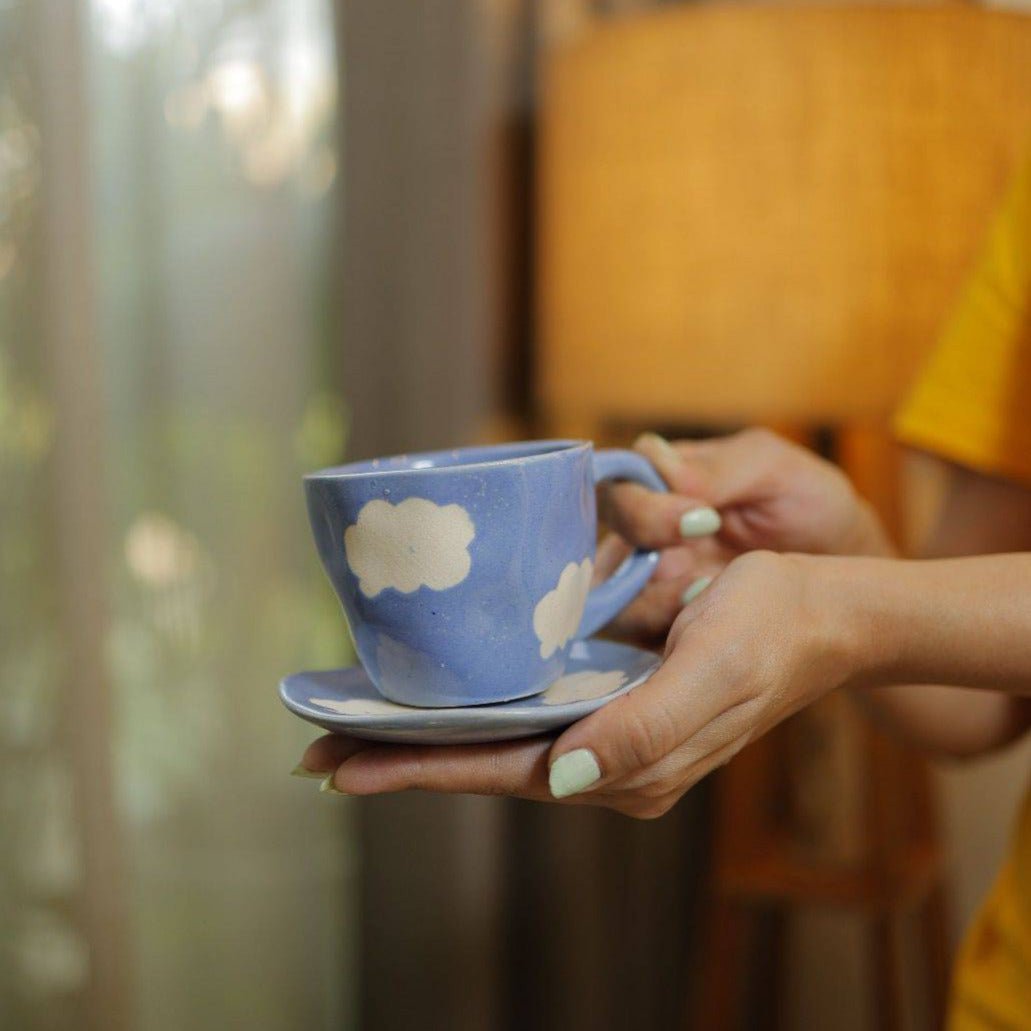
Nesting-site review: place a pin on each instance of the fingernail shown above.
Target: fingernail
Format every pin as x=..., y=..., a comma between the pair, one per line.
x=695, y=589
x=700, y=522
x=573, y=772
x=659, y=443
x=327, y=787
x=303, y=771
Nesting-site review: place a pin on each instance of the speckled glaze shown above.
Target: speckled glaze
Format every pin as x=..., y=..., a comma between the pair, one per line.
x=463, y=574
x=346, y=702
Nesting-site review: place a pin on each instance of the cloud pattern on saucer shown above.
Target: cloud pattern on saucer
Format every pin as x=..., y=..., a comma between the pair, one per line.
x=416, y=543
x=558, y=613
x=579, y=687
x=362, y=706
x=586, y=685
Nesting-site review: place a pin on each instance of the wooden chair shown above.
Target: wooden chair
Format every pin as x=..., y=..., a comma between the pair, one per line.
x=750, y=214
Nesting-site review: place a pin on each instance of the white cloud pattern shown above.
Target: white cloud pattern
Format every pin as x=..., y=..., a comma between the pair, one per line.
x=587, y=684
x=413, y=544
x=362, y=706
x=558, y=613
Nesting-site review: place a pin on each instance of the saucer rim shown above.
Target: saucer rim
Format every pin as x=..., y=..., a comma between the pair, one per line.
x=446, y=715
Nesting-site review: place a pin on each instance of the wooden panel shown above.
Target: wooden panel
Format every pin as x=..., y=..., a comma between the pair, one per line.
x=753, y=213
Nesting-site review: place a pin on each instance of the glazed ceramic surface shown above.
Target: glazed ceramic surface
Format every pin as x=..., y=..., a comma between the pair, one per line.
x=347, y=702
x=465, y=575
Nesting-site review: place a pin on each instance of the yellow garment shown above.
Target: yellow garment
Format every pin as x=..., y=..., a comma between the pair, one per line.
x=973, y=402
x=991, y=985
x=973, y=405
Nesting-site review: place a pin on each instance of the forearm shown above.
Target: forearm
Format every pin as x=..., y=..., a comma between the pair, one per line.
x=979, y=515
x=948, y=722
x=899, y=628
x=961, y=622
x=954, y=722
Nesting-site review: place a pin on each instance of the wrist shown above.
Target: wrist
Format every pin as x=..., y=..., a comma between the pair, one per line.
x=875, y=622
x=844, y=619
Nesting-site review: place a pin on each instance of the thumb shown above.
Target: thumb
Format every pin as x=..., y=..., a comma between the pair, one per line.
x=632, y=732
x=723, y=471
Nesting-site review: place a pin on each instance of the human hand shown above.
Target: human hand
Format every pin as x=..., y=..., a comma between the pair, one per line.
x=750, y=651
x=751, y=490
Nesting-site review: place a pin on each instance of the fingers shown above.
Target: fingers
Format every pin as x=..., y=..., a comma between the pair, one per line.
x=693, y=701
x=684, y=771
x=729, y=470
x=649, y=616
x=698, y=557
x=702, y=476
x=647, y=619
x=648, y=519
x=682, y=477
x=610, y=554
x=640, y=728
x=639, y=787
x=704, y=557
x=517, y=768
x=655, y=791
x=326, y=753
x=520, y=769
x=709, y=480
x=678, y=577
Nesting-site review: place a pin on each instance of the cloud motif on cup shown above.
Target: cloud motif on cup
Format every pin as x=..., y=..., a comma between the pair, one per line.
x=413, y=544
x=558, y=613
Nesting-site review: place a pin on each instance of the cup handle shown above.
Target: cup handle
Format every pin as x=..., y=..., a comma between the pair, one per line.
x=607, y=599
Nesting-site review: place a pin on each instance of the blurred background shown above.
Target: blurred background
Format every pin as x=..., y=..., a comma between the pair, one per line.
x=241, y=239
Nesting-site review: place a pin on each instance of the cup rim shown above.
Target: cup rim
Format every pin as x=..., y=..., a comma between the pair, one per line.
x=526, y=452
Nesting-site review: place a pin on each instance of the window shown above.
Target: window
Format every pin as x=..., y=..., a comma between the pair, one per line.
x=159, y=400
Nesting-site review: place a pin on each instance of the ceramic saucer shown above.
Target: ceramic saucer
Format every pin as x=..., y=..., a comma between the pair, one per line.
x=345, y=701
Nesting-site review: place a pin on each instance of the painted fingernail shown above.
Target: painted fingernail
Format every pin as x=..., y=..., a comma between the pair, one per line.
x=660, y=443
x=573, y=772
x=303, y=771
x=327, y=787
x=695, y=589
x=700, y=522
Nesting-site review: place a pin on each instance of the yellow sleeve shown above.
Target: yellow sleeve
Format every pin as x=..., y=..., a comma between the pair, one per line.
x=972, y=402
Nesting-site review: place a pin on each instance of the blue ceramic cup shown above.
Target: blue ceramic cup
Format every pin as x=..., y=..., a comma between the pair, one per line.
x=465, y=575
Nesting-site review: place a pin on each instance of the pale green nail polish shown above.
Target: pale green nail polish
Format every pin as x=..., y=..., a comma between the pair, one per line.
x=700, y=522
x=695, y=589
x=303, y=771
x=573, y=772
x=327, y=787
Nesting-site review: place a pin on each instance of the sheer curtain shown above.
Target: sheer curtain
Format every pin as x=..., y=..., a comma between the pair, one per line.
x=167, y=171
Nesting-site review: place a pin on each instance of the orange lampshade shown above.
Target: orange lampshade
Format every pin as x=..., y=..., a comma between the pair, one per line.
x=763, y=213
